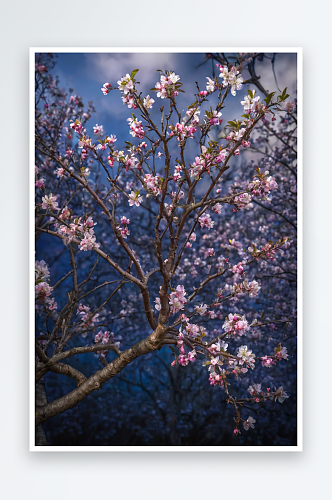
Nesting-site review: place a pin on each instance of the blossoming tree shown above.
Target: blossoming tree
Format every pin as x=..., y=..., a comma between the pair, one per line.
x=167, y=246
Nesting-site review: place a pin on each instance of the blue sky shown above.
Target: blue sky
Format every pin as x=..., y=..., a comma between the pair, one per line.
x=85, y=73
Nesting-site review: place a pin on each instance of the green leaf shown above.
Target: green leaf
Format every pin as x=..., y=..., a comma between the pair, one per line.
x=251, y=95
x=133, y=73
x=268, y=98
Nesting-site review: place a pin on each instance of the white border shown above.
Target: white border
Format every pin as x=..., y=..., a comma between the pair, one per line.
x=299, y=447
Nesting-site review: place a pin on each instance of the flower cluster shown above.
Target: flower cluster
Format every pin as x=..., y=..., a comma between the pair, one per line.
x=206, y=221
x=87, y=318
x=242, y=201
x=238, y=269
x=136, y=128
x=236, y=324
x=104, y=338
x=177, y=299
x=201, y=309
x=42, y=289
x=126, y=85
x=216, y=379
x=167, y=87
x=250, y=102
x=231, y=77
x=182, y=131
x=153, y=183
x=264, y=186
x=213, y=117
x=79, y=228
x=205, y=161
x=39, y=182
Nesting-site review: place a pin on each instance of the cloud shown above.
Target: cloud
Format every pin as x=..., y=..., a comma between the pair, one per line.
x=111, y=67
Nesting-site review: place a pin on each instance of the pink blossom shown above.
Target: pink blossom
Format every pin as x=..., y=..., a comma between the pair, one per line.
x=206, y=221
x=147, y=102
x=201, y=310
x=249, y=423
x=126, y=85
x=211, y=85
x=136, y=128
x=43, y=290
x=106, y=88
x=40, y=183
x=98, y=129
x=60, y=172
x=267, y=362
x=49, y=202
x=166, y=87
x=135, y=199
x=177, y=299
x=238, y=268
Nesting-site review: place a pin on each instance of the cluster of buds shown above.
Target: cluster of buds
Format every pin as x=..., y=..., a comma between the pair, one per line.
x=124, y=227
x=251, y=288
x=183, y=358
x=279, y=354
x=238, y=269
x=106, y=88
x=263, y=184
x=267, y=251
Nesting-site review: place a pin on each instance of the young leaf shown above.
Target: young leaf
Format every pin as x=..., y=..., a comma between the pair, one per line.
x=133, y=73
x=268, y=98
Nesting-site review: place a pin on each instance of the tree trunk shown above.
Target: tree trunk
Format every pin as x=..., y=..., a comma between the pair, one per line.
x=41, y=399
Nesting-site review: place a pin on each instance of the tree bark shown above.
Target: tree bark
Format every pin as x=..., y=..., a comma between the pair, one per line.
x=96, y=381
x=41, y=400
